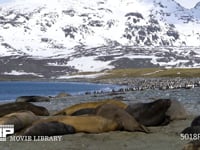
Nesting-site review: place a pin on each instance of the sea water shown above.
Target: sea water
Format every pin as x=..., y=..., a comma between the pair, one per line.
x=13, y=89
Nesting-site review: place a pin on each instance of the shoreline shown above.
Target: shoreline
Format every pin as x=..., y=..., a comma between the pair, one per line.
x=161, y=137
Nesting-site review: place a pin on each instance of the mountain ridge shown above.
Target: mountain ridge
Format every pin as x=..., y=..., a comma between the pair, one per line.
x=98, y=35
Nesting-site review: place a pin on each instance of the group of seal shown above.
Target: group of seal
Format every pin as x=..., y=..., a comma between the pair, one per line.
x=89, y=107
x=90, y=117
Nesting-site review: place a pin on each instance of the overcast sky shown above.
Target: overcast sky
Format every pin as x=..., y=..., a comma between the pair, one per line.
x=185, y=3
x=188, y=3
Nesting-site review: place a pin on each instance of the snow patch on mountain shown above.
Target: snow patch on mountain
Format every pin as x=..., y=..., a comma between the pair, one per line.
x=85, y=64
x=100, y=34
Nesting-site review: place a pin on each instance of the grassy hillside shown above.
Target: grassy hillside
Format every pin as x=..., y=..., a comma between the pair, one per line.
x=153, y=73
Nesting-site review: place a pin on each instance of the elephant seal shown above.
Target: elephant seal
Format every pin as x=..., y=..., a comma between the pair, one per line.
x=20, y=119
x=14, y=107
x=191, y=130
x=89, y=111
x=85, y=123
x=150, y=114
x=124, y=119
x=176, y=111
x=193, y=145
x=62, y=95
x=196, y=121
x=32, y=99
x=48, y=129
x=72, y=109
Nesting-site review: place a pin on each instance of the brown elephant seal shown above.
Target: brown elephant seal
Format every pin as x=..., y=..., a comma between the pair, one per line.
x=85, y=123
x=9, y=108
x=193, y=145
x=124, y=119
x=62, y=95
x=20, y=119
x=176, y=111
x=33, y=99
x=89, y=105
x=196, y=121
x=150, y=114
x=48, y=129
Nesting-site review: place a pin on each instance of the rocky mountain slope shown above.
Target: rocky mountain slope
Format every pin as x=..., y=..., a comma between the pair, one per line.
x=51, y=38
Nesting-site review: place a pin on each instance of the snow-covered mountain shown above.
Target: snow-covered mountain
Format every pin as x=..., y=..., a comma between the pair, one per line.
x=49, y=38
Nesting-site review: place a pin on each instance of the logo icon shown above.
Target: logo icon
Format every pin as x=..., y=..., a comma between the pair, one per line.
x=6, y=130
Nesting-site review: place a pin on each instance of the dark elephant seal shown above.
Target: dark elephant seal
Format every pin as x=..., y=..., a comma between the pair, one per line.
x=20, y=120
x=48, y=129
x=176, y=111
x=32, y=99
x=124, y=119
x=150, y=114
x=86, y=111
x=193, y=145
x=89, y=105
x=191, y=130
x=85, y=123
x=196, y=121
x=14, y=107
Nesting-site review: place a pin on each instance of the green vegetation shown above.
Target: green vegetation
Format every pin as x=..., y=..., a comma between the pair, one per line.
x=153, y=73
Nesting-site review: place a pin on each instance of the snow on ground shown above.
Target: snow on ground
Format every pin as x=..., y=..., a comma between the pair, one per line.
x=95, y=75
x=85, y=64
x=150, y=73
x=21, y=72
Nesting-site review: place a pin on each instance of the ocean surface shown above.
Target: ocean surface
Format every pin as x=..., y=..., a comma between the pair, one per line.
x=11, y=90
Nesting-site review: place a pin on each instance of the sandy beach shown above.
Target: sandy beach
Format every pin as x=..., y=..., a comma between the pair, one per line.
x=165, y=138
x=162, y=137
